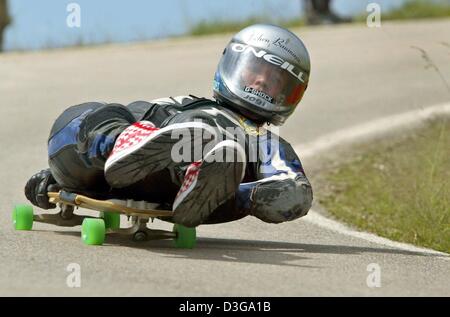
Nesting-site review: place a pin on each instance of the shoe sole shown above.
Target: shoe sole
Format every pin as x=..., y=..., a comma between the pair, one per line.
x=216, y=183
x=154, y=153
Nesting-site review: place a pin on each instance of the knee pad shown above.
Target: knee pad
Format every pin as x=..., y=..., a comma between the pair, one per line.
x=99, y=130
x=99, y=118
x=72, y=135
x=72, y=113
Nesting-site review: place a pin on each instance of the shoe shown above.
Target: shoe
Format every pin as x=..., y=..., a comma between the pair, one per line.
x=209, y=183
x=143, y=149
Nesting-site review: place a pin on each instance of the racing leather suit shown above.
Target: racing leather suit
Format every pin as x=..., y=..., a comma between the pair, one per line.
x=274, y=189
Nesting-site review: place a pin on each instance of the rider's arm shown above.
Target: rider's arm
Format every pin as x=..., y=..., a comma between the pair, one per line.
x=281, y=191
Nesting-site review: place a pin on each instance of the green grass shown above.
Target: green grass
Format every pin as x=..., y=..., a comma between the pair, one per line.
x=206, y=28
x=414, y=9
x=399, y=189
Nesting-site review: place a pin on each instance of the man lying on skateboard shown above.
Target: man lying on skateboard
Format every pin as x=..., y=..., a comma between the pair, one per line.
x=209, y=161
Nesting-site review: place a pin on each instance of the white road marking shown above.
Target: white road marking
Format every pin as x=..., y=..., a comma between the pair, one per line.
x=371, y=129
x=357, y=133
x=324, y=222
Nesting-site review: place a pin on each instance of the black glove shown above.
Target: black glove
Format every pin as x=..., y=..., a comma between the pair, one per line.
x=37, y=187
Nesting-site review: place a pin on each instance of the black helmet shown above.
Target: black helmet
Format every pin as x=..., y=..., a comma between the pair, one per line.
x=263, y=73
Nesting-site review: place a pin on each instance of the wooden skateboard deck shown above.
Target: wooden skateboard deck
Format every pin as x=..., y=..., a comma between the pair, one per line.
x=104, y=205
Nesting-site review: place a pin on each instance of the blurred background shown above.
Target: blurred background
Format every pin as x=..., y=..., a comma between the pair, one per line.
x=35, y=25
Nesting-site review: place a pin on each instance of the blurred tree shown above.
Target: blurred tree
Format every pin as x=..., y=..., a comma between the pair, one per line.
x=4, y=20
x=319, y=12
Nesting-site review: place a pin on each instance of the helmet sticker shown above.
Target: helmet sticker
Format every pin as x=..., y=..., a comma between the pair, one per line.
x=283, y=43
x=271, y=58
x=259, y=93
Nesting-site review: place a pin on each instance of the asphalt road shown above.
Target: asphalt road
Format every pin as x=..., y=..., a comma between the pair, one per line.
x=358, y=74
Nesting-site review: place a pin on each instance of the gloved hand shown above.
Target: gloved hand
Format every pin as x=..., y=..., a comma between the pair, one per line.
x=37, y=187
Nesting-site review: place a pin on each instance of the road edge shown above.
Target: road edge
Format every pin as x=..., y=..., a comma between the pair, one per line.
x=359, y=133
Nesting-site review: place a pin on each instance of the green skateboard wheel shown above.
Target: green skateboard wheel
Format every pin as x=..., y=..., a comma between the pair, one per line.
x=93, y=231
x=186, y=237
x=23, y=217
x=112, y=220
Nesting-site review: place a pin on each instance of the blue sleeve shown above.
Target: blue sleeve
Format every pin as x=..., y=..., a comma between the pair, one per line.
x=281, y=190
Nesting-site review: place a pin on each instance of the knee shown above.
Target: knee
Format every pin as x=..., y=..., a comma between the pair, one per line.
x=105, y=114
x=71, y=113
x=98, y=131
x=71, y=137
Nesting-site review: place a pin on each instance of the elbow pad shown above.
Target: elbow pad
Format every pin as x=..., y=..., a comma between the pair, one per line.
x=282, y=200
